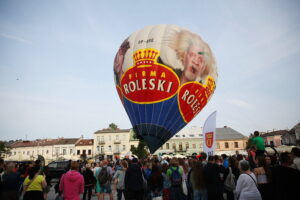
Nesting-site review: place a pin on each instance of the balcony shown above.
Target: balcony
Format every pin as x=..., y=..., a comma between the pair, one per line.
x=101, y=142
x=117, y=142
x=116, y=151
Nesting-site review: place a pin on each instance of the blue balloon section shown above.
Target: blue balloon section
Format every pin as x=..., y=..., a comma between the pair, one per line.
x=155, y=123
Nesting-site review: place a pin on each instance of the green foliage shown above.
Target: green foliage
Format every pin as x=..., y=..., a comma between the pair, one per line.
x=141, y=151
x=113, y=126
x=3, y=148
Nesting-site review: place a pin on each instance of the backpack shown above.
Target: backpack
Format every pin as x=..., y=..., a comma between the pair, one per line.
x=229, y=183
x=176, y=179
x=104, y=176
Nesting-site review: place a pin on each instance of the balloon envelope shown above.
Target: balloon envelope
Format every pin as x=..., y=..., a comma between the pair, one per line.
x=164, y=76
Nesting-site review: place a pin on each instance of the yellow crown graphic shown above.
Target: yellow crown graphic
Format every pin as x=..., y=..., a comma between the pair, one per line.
x=145, y=56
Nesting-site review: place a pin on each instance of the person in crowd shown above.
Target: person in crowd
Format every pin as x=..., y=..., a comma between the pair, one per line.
x=11, y=183
x=264, y=177
x=296, y=158
x=72, y=183
x=268, y=161
x=147, y=170
x=246, y=187
x=285, y=179
x=104, y=177
x=134, y=181
x=251, y=157
x=156, y=181
x=89, y=182
x=175, y=175
x=119, y=177
x=203, y=158
x=259, y=143
x=212, y=179
x=34, y=184
x=198, y=182
x=1, y=170
x=185, y=171
x=225, y=160
x=166, y=184
x=233, y=166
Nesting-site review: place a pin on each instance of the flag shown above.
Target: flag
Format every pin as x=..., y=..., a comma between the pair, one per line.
x=209, y=134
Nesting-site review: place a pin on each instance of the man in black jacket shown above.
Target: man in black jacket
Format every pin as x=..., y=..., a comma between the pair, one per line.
x=212, y=180
x=134, y=181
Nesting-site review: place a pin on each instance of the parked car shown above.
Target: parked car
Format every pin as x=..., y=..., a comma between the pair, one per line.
x=56, y=168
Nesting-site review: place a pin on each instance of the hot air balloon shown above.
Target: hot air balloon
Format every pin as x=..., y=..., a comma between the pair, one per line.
x=164, y=75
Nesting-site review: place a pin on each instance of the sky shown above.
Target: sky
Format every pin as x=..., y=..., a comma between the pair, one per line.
x=56, y=62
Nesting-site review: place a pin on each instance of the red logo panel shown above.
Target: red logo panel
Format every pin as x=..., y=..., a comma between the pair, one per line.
x=209, y=139
x=193, y=96
x=149, y=83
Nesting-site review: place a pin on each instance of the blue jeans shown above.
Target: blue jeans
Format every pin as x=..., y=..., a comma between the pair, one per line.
x=200, y=195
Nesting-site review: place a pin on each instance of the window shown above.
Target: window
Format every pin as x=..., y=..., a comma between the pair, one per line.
x=78, y=152
x=174, y=146
x=183, y=135
x=23, y=152
x=64, y=151
x=236, y=145
x=89, y=152
x=109, y=147
x=47, y=151
x=84, y=152
x=177, y=135
x=187, y=145
x=194, y=146
x=192, y=135
x=180, y=146
x=117, y=137
x=124, y=148
x=167, y=146
x=28, y=152
x=71, y=151
x=131, y=146
x=98, y=138
x=102, y=149
x=117, y=148
x=226, y=145
x=98, y=149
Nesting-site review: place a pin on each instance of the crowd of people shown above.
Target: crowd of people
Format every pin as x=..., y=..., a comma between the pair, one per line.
x=256, y=176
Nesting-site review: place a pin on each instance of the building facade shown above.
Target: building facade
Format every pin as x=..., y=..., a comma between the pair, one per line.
x=274, y=138
x=113, y=143
x=189, y=141
x=293, y=136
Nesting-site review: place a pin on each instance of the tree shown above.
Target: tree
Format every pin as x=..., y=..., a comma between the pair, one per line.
x=113, y=126
x=3, y=148
x=141, y=151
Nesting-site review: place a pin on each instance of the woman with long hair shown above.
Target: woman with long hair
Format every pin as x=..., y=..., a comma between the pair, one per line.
x=264, y=177
x=34, y=185
x=198, y=182
x=119, y=179
x=156, y=181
